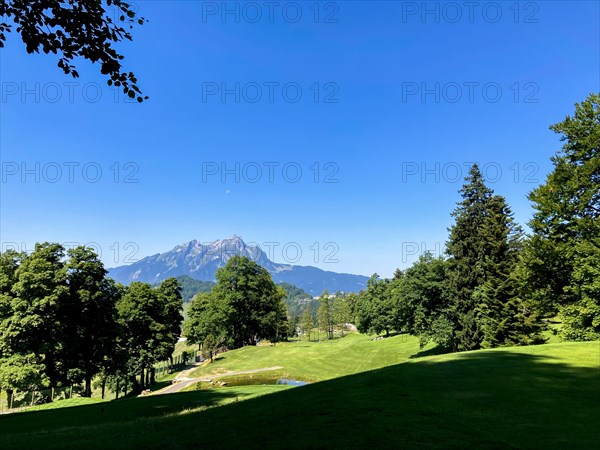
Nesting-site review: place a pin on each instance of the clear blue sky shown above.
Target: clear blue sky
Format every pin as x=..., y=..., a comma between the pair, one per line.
x=380, y=113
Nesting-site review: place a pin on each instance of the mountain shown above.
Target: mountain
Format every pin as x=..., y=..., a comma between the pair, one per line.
x=200, y=262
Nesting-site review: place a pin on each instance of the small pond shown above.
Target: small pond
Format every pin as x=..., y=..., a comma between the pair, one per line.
x=291, y=382
x=260, y=379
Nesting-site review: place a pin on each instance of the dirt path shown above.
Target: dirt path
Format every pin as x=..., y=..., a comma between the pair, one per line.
x=182, y=380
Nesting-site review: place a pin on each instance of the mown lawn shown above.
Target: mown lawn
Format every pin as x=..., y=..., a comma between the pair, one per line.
x=545, y=396
x=317, y=361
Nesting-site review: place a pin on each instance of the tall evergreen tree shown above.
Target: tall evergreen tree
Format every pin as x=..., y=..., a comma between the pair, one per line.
x=467, y=250
x=506, y=319
x=484, y=247
x=566, y=226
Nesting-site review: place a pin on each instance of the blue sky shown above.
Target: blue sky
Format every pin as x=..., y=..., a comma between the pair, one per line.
x=362, y=119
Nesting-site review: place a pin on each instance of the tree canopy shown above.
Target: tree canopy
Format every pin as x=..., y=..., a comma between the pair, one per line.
x=244, y=307
x=74, y=29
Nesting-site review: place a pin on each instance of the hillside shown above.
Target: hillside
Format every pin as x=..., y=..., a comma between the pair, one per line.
x=545, y=396
x=200, y=261
x=190, y=287
x=328, y=359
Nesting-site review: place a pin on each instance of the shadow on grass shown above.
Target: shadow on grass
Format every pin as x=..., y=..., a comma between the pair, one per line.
x=530, y=397
x=122, y=410
x=437, y=350
x=520, y=398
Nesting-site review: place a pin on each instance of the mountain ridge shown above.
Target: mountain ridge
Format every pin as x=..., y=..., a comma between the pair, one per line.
x=201, y=260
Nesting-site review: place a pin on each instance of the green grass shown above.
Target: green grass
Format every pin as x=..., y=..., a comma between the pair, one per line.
x=314, y=361
x=545, y=396
x=97, y=412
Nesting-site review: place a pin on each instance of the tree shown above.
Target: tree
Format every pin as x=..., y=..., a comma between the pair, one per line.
x=170, y=317
x=467, y=249
x=252, y=303
x=72, y=29
x=139, y=314
x=9, y=263
x=506, y=318
x=35, y=326
x=423, y=300
x=307, y=322
x=566, y=232
x=377, y=311
x=206, y=317
x=210, y=346
x=341, y=312
x=325, y=314
x=484, y=248
x=89, y=315
x=20, y=372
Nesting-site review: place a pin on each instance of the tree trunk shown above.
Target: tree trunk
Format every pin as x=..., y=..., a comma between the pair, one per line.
x=152, y=375
x=9, y=398
x=88, y=386
x=142, y=379
x=103, y=386
x=117, y=383
x=147, y=384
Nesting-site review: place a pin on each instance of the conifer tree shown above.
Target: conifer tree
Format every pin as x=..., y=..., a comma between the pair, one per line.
x=467, y=265
x=562, y=260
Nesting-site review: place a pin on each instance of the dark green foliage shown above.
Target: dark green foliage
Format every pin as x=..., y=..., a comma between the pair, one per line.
x=150, y=319
x=562, y=261
x=423, y=300
x=206, y=316
x=89, y=316
x=191, y=287
x=244, y=307
x=484, y=248
x=75, y=29
x=377, y=310
x=467, y=266
x=57, y=317
x=35, y=326
x=169, y=292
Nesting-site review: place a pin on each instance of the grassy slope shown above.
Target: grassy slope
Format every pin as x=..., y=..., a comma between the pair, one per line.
x=544, y=396
x=314, y=361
